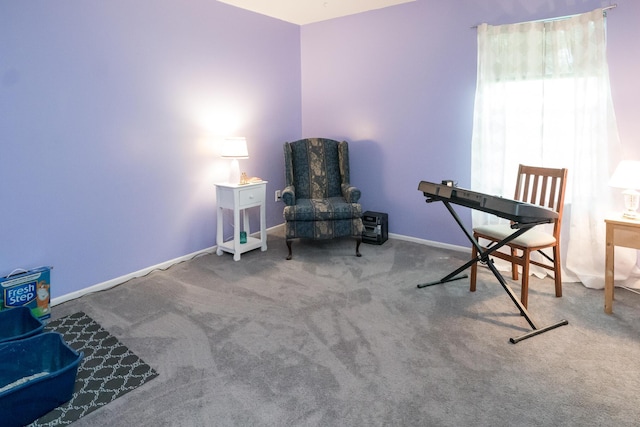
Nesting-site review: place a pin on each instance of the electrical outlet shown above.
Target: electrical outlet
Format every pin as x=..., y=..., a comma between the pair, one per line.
x=278, y=195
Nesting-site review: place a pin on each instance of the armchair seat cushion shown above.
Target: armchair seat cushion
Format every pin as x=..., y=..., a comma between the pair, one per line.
x=332, y=208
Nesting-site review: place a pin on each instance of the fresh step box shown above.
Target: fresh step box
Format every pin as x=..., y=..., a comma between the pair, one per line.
x=28, y=288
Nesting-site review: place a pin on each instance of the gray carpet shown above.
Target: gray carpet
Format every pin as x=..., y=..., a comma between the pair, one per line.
x=328, y=339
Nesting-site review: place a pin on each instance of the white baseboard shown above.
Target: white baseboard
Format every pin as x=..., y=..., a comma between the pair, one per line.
x=430, y=243
x=164, y=265
x=415, y=240
x=119, y=280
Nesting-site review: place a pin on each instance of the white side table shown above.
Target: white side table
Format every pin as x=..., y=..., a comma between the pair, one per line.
x=240, y=197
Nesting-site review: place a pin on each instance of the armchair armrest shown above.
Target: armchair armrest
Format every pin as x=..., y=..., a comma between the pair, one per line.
x=350, y=193
x=289, y=195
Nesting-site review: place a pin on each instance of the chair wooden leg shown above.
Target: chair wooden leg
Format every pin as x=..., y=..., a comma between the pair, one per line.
x=514, y=266
x=358, y=241
x=289, y=246
x=524, y=292
x=474, y=267
x=557, y=270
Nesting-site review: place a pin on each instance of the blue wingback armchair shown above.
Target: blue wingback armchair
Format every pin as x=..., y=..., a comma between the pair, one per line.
x=320, y=202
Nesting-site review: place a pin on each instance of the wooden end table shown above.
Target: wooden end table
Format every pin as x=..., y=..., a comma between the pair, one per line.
x=624, y=232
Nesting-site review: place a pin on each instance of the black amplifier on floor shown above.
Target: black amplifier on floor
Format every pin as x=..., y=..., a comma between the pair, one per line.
x=376, y=227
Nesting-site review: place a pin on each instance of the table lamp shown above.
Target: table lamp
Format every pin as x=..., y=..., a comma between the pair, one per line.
x=627, y=176
x=235, y=148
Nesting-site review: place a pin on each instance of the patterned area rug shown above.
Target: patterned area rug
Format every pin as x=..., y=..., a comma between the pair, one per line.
x=107, y=371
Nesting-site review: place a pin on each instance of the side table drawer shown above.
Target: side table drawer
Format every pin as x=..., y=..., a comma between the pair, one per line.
x=251, y=196
x=626, y=236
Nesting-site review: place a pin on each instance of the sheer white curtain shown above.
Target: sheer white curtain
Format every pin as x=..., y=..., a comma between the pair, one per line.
x=543, y=98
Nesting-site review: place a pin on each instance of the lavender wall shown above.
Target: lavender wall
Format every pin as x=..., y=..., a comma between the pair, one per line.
x=110, y=112
x=398, y=83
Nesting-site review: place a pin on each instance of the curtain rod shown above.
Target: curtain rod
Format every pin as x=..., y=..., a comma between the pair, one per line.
x=604, y=10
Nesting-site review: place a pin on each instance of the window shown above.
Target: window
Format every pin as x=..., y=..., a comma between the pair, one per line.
x=543, y=99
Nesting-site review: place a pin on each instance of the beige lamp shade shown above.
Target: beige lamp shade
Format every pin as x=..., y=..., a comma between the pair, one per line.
x=235, y=148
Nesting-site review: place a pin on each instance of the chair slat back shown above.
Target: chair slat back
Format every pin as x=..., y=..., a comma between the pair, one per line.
x=543, y=187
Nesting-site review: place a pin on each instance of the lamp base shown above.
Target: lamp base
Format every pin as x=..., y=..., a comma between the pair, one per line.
x=234, y=172
x=631, y=202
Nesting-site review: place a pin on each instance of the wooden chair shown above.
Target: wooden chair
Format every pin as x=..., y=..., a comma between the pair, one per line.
x=543, y=187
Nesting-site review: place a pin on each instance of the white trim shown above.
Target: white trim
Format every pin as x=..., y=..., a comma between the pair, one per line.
x=119, y=280
x=164, y=265
x=430, y=242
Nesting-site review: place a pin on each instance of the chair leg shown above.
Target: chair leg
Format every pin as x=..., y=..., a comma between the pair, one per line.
x=358, y=241
x=514, y=266
x=557, y=270
x=289, y=246
x=524, y=292
x=474, y=267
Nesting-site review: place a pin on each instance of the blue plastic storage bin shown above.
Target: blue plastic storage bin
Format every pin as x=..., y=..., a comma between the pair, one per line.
x=37, y=374
x=17, y=323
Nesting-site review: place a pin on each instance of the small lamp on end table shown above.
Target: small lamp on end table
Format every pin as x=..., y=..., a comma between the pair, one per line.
x=235, y=148
x=627, y=176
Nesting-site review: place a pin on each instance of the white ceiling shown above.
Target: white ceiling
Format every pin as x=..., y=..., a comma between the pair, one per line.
x=307, y=11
